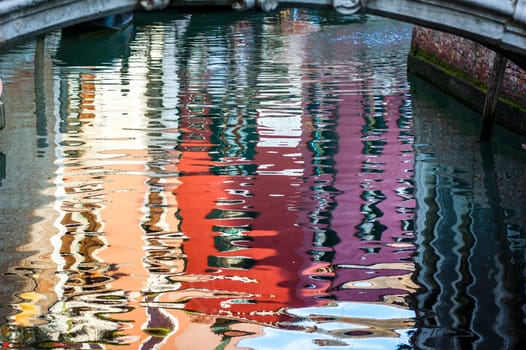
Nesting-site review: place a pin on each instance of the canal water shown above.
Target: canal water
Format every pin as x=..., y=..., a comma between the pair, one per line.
x=251, y=181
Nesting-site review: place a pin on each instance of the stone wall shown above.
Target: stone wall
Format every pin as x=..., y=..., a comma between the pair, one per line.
x=462, y=59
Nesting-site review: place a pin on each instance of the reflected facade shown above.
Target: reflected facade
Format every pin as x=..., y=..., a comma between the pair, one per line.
x=221, y=182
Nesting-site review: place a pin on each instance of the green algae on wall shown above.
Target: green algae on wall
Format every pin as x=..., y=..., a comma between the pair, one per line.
x=462, y=68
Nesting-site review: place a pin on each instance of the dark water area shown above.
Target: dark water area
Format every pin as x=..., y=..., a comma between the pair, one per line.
x=470, y=223
x=251, y=181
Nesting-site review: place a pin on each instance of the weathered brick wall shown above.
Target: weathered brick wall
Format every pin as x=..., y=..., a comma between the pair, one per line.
x=471, y=58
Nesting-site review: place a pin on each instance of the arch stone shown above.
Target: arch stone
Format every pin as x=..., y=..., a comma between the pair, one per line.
x=497, y=24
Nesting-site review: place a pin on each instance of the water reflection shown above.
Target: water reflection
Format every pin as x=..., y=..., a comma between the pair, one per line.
x=216, y=181
x=470, y=231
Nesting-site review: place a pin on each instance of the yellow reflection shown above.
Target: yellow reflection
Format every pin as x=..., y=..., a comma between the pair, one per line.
x=29, y=309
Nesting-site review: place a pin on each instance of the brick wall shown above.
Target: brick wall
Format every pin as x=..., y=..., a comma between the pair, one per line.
x=471, y=58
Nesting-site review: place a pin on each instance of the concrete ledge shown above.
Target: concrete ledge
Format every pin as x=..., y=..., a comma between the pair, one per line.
x=471, y=93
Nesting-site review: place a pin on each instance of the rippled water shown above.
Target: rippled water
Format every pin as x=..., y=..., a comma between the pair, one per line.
x=242, y=180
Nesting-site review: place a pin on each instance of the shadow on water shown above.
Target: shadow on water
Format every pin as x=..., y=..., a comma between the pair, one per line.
x=471, y=228
x=94, y=49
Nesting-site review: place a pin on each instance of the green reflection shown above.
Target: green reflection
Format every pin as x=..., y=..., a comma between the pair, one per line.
x=231, y=262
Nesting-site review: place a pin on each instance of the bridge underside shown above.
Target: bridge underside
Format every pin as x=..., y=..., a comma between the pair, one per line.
x=23, y=18
x=497, y=24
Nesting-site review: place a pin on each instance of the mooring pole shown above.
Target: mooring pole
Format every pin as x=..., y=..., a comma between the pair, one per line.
x=492, y=96
x=2, y=110
x=40, y=91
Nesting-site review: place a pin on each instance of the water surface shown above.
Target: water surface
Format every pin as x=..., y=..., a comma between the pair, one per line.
x=243, y=180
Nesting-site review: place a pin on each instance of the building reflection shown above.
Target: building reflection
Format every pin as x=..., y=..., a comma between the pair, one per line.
x=194, y=210
x=240, y=184
x=374, y=216
x=26, y=172
x=235, y=192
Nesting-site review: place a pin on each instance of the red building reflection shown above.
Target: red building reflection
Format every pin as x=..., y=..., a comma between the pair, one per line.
x=245, y=249
x=254, y=246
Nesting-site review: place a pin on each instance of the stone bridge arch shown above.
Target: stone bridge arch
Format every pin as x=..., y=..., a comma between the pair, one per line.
x=497, y=24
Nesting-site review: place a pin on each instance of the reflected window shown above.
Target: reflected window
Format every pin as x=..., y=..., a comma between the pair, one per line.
x=231, y=262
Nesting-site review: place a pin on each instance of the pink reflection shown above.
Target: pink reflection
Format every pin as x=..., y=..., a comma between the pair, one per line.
x=375, y=208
